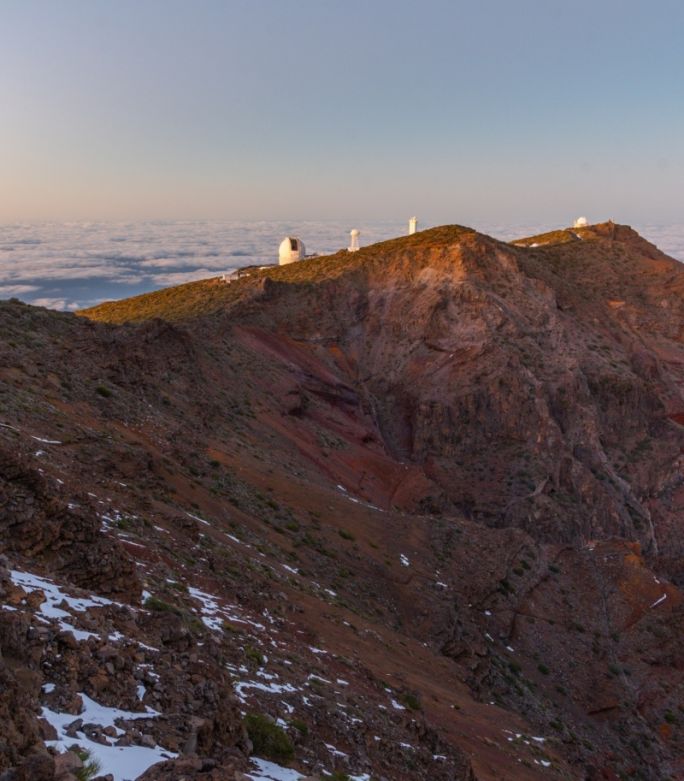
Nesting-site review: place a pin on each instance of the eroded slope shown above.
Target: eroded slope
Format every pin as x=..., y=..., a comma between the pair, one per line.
x=418, y=505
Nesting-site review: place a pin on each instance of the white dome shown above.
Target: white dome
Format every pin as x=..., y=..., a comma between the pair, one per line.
x=291, y=249
x=581, y=222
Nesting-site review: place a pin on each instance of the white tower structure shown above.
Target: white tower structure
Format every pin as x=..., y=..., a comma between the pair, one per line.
x=354, y=243
x=291, y=249
x=413, y=225
x=580, y=222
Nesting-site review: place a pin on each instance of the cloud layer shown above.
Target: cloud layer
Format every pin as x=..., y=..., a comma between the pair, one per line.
x=72, y=265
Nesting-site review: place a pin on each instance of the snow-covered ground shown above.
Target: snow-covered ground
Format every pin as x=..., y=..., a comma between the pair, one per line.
x=55, y=596
x=214, y=614
x=269, y=771
x=125, y=763
x=272, y=772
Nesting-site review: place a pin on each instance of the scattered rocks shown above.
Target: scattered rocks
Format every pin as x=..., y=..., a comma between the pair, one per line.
x=374, y=527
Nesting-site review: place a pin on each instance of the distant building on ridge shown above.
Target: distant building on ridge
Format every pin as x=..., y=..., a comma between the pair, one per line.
x=413, y=225
x=291, y=249
x=354, y=240
x=580, y=222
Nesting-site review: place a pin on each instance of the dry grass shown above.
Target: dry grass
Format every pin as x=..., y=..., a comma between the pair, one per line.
x=211, y=295
x=564, y=236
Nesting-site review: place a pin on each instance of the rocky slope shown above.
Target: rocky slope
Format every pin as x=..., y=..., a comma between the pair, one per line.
x=412, y=512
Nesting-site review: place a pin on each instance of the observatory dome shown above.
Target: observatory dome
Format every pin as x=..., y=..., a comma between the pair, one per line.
x=291, y=249
x=580, y=222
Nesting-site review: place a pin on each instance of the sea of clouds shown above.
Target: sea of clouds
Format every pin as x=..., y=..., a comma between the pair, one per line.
x=73, y=265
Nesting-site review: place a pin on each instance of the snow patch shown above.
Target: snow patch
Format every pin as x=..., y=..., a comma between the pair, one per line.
x=269, y=688
x=54, y=596
x=334, y=751
x=197, y=518
x=272, y=772
x=123, y=762
x=214, y=615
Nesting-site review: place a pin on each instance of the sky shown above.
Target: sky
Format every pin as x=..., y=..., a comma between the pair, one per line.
x=533, y=111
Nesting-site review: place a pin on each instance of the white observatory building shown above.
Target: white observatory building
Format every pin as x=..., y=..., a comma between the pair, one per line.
x=413, y=225
x=581, y=222
x=354, y=240
x=291, y=249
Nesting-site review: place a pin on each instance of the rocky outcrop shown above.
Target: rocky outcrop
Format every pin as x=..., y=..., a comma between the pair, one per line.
x=20, y=682
x=519, y=409
x=37, y=525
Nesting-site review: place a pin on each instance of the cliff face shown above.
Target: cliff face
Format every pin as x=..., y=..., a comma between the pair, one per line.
x=417, y=506
x=537, y=388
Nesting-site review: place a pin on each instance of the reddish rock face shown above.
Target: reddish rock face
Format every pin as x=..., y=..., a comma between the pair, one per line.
x=417, y=507
x=507, y=377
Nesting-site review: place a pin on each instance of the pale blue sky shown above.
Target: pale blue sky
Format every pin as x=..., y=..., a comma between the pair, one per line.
x=474, y=112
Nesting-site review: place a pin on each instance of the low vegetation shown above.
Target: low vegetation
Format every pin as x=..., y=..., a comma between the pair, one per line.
x=210, y=296
x=552, y=237
x=91, y=767
x=268, y=739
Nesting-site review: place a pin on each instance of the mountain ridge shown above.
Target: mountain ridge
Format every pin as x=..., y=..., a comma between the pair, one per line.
x=445, y=463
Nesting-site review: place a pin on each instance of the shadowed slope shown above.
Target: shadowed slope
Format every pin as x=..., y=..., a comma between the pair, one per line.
x=442, y=474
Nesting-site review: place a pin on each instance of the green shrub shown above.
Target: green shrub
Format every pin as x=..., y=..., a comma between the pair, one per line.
x=91, y=767
x=543, y=669
x=268, y=739
x=254, y=655
x=177, y=585
x=103, y=390
x=410, y=701
x=346, y=535
x=124, y=523
x=300, y=726
x=505, y=587
x=159, y=606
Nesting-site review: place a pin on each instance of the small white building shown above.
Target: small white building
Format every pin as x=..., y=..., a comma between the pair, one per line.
x=581, y=222
x=413, y=225
x=291, y=249
x=354, y=240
